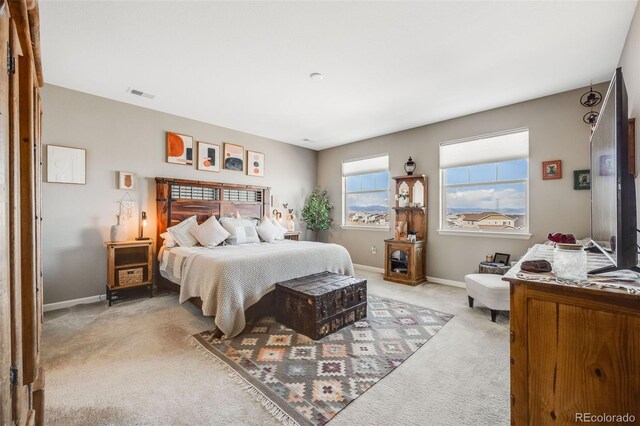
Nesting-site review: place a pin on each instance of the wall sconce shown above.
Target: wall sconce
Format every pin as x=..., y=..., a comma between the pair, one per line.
x=410, y=166
x=143, y=223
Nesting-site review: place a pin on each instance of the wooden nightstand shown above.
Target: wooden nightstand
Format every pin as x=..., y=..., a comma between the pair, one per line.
x=129, y=265
x=295, y=236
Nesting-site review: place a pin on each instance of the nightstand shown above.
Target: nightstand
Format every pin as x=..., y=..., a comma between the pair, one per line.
x=295, y=236
x=129, y=265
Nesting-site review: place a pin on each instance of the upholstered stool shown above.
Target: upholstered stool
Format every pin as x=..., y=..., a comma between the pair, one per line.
x=490, y=290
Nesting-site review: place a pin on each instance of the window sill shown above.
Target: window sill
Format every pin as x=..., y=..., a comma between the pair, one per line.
x=366, y=228
x=486, y=234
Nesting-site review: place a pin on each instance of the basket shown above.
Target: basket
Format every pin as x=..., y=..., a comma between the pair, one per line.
x=129, y=276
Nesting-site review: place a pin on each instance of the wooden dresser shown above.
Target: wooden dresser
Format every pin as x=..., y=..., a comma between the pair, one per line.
x=575, y=351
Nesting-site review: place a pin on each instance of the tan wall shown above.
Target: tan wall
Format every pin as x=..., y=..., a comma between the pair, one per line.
x=119, y=136
x=630, y=63
x=556, y=131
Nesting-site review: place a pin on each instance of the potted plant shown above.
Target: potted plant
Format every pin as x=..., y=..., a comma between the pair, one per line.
x=316, y=214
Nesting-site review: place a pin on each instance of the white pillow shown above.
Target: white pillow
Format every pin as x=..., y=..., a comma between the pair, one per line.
x=181, y=232
x=210, y=233
x=281, y=229
x=242, y=231
x=267, y=230
x=167, y=240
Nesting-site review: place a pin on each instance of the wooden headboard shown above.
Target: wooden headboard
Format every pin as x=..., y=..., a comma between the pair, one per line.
x=177, y=199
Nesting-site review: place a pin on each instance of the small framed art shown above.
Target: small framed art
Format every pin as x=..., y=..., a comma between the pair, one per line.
x=233, y=157
x=606, y=165
x=66, y=165
x=208, y=157
x=255, y=163
x=126, y=181
x=179, y=149
x=552, y=169
x=582, y=179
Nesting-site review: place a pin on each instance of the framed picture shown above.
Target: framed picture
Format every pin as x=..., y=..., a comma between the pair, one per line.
x=179, y=149
x=501, y=258
x=552, y=169
x=582, y=179
x=233, y=157
x=126, y=181
x=606, y=165
x=66, y=165
x=255, y=163
x=208, y=157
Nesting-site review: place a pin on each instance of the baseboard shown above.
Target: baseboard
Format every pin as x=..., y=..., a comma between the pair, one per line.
x=452, y=283
x=369, y=268
x=68, y=303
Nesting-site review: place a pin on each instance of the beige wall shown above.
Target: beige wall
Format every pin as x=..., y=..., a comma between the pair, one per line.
x=630, y=63
x=556, y=131
x=119, y=136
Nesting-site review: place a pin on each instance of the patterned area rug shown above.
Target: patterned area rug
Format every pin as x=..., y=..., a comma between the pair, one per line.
x=307, y=382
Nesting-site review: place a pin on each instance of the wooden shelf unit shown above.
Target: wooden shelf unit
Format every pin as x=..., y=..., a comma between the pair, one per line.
x=405, y=260
x=129, y=258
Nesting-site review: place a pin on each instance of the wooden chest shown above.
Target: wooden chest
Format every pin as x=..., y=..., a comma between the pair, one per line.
x=318, y=305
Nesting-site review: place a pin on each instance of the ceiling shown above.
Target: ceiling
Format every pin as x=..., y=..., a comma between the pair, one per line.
x=387, y=66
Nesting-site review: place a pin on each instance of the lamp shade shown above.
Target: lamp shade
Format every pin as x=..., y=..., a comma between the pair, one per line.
x=410, y=166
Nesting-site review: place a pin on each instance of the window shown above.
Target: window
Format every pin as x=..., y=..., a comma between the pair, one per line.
x=485, y=184
x=366, y=192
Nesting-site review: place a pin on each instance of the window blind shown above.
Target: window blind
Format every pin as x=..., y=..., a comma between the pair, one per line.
x=491, y=149
x=365, y=165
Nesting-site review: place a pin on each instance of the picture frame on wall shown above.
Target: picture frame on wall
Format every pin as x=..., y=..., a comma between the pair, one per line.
x=126, y=181
x=233, y=157
x=255, y=163
x=66, y=165
x=179, y=148
x=606, y=165
x=582, y=179
x=208, y=157
x=552, y=169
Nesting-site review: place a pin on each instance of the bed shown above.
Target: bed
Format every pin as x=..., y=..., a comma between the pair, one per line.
x=228, y=280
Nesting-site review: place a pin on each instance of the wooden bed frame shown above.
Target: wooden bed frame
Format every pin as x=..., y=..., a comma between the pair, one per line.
x=178, y=199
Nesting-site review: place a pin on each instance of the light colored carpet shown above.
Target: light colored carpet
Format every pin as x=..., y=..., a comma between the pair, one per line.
x=134, y=363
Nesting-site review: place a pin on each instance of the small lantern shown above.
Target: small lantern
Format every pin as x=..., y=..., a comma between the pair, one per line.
x=410, y=166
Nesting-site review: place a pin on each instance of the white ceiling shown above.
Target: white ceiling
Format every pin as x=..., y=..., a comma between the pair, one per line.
x=388, y=66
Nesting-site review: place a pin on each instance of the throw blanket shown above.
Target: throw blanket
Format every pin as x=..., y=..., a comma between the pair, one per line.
x=232, y=278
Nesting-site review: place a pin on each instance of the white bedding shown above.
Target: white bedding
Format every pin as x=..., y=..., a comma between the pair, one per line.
x=229, y=279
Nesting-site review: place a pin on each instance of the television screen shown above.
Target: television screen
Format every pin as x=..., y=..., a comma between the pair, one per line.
x=604, y=193
x=613, y=191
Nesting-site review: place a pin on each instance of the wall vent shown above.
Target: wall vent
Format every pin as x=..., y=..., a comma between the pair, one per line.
x=137, y=92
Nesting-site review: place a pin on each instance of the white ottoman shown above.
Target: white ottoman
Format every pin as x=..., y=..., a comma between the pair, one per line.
x=490, y=290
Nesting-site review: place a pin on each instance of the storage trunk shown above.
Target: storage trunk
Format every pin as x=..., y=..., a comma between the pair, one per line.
x=318, y=305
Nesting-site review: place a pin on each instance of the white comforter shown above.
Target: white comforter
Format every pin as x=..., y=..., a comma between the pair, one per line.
x=230, y=279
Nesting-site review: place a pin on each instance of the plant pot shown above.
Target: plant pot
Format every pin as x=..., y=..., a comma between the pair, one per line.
x=118, y=233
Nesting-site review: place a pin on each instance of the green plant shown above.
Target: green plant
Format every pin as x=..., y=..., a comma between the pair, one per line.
x=317, y=212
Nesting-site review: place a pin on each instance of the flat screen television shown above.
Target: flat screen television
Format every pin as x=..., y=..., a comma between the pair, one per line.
x=613, y=191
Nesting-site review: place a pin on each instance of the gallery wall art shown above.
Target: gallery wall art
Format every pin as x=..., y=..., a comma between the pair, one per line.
x=126, y=181
x=66, y=165
x=255, y=163
x=233, y=157
x=208, y=157
x=552, y=169
x=179, y=148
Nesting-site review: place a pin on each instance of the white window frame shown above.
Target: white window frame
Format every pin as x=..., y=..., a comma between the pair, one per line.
x=346, y=225
x=522, y=234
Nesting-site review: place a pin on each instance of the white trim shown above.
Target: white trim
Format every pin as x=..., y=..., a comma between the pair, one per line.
x=368, y=268
x=488, y=234
x=452, y=283
x=68, y=303
x=366, y=228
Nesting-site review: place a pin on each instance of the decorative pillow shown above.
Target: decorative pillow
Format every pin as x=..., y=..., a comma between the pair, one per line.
x=267, y=230
x=167, y=240
x=281, y=229
x=242, y=231
x=181, y=232
x=210, y=233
